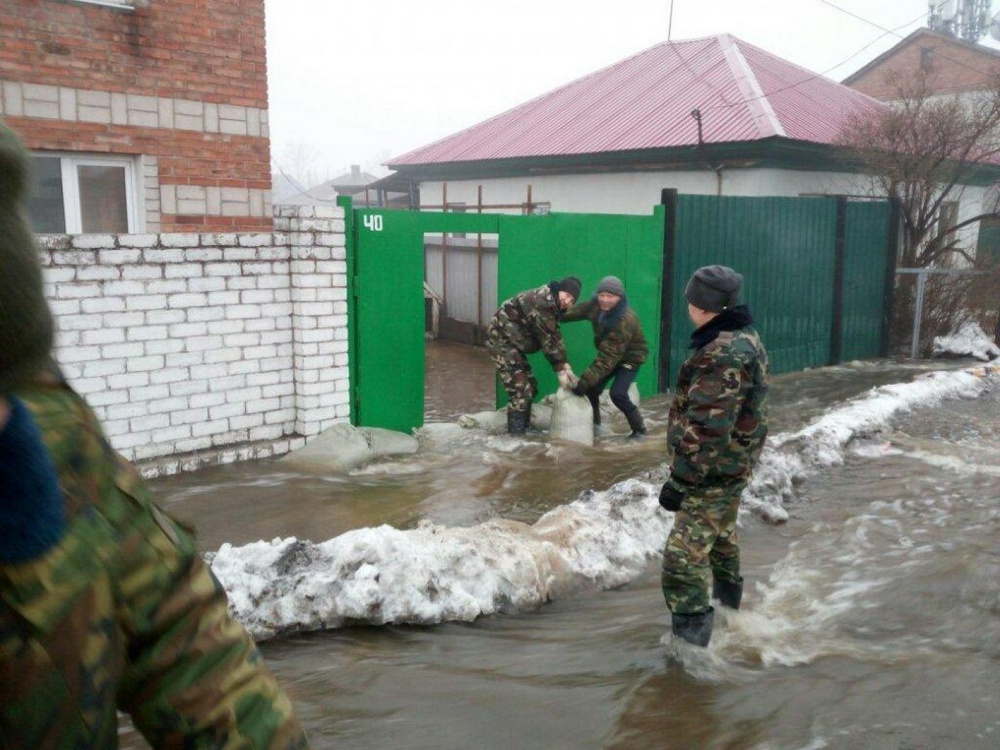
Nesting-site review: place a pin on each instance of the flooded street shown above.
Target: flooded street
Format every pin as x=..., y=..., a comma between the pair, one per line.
x=871, y=618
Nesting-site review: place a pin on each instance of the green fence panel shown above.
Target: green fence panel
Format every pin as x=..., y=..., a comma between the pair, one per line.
x=537, y=249
x=866, y=242
x=988, y=245
x=784, y=247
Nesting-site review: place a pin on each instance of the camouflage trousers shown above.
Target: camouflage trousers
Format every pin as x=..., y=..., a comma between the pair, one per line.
x=703, y=544
x=514, y=370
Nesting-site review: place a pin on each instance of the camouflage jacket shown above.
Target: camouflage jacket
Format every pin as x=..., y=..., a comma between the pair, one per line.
x=718, y=417
x=618, y=338
x=123, y=614
x=529, y=322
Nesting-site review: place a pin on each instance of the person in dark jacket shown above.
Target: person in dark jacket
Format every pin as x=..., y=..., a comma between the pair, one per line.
x=106, y=605
x=524, y=324
x=621, y=350
x=717, y=427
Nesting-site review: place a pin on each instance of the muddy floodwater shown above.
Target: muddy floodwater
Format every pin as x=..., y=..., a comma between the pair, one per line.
x=871, y=617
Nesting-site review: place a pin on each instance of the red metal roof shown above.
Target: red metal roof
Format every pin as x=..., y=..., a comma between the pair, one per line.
x=645, y=102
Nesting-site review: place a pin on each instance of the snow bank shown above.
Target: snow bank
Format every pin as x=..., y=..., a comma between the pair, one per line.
x=601, y=540
x=968, y=341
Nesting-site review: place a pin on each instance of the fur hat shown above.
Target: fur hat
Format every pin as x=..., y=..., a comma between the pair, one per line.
x=611, y=285
x=571, y=285
x=25, y=321
x=714, y=288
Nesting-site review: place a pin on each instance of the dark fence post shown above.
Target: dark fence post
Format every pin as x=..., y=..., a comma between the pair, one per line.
x=839, y=250
x=668, y=199
x=889, y=283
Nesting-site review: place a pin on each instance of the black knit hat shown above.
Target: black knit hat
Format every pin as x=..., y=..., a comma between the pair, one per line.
x=714, y=288
x=571, y=285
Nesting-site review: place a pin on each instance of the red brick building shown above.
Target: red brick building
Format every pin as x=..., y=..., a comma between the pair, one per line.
x=956, y=66
x=142, y=115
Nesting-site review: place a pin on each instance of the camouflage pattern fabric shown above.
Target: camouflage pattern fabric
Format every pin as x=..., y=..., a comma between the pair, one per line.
x=716, y=432
x=123, y=614
x=718, y=417
x=618, y=339
x=524, y=324
x=703, y=543
x=515, y=374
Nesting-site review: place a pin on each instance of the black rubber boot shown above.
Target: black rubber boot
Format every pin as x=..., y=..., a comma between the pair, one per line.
x=637, y=424
x=595, y=407
x=527, y=418
x=696, y=628
x=728, y=592
x=517, y=422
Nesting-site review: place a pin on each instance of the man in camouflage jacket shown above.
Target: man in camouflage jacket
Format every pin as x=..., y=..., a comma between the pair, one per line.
x=621, y=350
x=524, y=324
x=717, y=428
x=105, y=602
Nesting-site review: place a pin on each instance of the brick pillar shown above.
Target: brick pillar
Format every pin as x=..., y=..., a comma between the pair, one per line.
x=319, y=315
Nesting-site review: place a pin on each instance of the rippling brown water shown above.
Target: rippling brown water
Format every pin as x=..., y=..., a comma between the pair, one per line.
x=871, y=618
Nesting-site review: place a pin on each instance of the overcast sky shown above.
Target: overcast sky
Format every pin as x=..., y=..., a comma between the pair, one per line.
x=360, y=81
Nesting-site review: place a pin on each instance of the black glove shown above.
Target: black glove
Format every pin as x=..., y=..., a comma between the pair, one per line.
x=580, y=389
x=671, y=496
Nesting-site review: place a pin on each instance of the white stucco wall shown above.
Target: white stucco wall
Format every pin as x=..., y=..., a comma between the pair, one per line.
x=636, y=192
x=639, y=192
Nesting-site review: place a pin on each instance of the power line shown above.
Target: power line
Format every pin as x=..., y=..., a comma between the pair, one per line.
x=894, y=33
x=886, y=32
x=296, y=184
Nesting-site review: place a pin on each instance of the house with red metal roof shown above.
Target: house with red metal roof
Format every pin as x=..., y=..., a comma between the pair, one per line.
x=711, y=116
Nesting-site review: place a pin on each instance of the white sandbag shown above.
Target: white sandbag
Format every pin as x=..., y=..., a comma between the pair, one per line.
x=344, y=447
x=572, y=418
x=491, y=421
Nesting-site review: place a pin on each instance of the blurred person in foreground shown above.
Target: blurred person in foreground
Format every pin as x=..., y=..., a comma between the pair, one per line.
x=105, y=603
x=524, y=324
x=621, y=350
x=717, y=427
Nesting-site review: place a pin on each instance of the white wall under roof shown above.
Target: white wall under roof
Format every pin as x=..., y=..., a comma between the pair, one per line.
x=639, y=192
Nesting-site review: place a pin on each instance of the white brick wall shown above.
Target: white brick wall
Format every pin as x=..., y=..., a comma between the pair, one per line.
x=206, y=348
x=89, y=105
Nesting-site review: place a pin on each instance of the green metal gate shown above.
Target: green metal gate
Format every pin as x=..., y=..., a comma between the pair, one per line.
x=385, y=280
x=536, y=249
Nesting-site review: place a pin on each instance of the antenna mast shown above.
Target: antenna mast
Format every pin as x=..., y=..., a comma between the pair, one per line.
x=967, y=19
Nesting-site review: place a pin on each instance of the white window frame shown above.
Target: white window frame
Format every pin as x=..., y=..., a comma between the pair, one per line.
x=116, y=4
x=70, y=163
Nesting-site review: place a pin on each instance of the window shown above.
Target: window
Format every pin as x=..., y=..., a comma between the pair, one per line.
x=947, y=218
x=117, y=4
x=79, y=194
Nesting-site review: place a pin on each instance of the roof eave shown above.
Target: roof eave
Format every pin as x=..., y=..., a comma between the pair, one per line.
x=774, y=152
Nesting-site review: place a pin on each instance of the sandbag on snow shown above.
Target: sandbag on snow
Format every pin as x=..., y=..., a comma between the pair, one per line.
x=344, y=447
x=572, y=418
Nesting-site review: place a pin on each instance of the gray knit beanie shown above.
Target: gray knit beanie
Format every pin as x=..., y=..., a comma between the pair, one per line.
x=714, y=288
x=611, y=285
x=25, y=321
